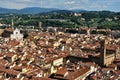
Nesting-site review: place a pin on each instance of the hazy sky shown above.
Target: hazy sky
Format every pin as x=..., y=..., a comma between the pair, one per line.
x=112, y=5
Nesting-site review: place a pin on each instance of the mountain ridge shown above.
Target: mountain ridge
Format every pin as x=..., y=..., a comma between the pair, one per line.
x=33, y=10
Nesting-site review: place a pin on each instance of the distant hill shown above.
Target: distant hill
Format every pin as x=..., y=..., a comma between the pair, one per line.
x=30, y=10
x=36, y=10
x=78, y=10
x=5, y=10
x=60, y=11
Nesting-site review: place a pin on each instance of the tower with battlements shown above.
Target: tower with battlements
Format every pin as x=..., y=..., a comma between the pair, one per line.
x=105, y=57
x=103, y=45
x=12, y=24
x=40, y=26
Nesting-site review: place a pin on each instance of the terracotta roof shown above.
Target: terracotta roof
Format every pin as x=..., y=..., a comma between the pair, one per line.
x=9, y=71
x=71, y=74
x=40, y=78
x=13, y=42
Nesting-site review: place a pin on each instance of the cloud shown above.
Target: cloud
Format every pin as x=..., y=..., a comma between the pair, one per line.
x=26, y=0
x=98, y=5
x=11, y=4
x=85, y=1
x=69, y=2
x=19, y=4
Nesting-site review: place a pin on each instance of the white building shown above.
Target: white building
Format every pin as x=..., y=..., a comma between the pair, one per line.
x=16, y=35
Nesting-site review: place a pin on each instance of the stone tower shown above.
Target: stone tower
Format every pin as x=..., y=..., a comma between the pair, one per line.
x=88, y=31
x=103, y=44
x=12, y=24
x=40, y=25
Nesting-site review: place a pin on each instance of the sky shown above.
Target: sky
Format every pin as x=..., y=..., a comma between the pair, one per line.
x=90, y=5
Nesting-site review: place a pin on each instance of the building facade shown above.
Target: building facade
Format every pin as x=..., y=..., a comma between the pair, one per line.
x=17, y=35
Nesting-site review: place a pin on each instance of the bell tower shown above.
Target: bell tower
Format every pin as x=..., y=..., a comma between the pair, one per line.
x=12, y=24
x=40, y=26
x=103, y=44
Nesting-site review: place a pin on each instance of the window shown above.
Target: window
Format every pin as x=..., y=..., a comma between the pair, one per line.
x=16, y=32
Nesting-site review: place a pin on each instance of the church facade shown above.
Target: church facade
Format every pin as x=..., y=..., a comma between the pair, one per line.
x=17, y=35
